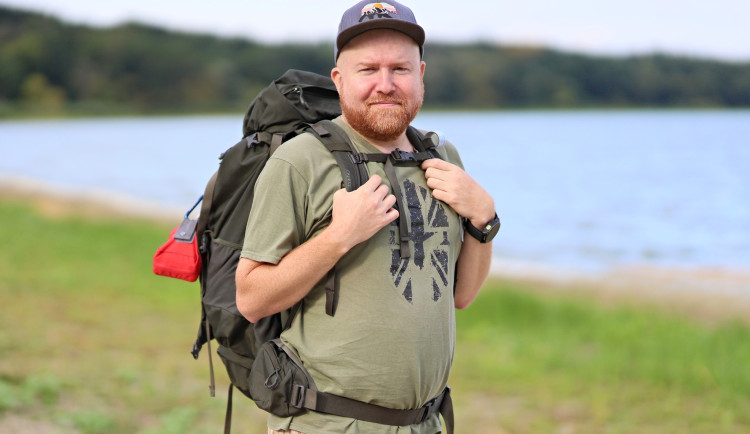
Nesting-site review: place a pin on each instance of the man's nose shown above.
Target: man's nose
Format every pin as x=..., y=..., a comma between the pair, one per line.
x=385, y=82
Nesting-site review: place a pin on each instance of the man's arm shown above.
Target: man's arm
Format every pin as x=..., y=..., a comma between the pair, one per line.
x=264, y=289
x=452, y=185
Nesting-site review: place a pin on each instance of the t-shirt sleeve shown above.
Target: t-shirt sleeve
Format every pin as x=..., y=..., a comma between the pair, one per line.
x=450, y=153
x=276, y=222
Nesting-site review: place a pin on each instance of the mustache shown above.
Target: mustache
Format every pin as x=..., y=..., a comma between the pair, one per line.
x=386, y=99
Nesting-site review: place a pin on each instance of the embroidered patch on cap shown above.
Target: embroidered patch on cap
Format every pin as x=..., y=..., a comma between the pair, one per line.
x=377, y=10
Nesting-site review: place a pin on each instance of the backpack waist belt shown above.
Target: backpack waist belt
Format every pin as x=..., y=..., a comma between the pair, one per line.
x=323, y=402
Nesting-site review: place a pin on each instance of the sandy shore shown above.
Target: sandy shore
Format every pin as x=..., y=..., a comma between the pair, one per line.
x=55, y=201
x=709, y=293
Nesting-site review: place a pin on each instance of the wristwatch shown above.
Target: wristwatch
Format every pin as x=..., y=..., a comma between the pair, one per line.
x=487, y=233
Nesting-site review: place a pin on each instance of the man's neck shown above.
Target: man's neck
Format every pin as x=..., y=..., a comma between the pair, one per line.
x=402, y=142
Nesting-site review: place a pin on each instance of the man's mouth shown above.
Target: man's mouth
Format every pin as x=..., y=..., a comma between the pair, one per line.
x=386, y=103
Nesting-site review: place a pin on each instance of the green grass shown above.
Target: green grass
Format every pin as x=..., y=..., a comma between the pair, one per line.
x=567, y=361
x=93, y=342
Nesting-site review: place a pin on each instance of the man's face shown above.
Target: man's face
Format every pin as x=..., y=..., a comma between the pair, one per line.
x=379, y=79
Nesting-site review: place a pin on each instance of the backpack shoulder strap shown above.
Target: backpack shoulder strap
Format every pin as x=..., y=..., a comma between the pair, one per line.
x=427, y=143
x=353, y=173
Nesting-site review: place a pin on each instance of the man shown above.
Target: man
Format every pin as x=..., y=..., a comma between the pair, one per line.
x=391, y=340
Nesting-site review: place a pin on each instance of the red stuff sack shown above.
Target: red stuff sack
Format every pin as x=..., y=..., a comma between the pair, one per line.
x=179, y=257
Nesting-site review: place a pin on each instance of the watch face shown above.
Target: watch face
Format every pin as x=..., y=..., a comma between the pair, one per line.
x=485, y=234
x=492, y=228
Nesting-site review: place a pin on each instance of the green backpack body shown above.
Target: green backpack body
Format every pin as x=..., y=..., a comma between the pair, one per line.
x=279, y=112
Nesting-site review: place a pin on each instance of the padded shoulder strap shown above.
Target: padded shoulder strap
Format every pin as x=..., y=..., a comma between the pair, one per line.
x=353, y=175
x=336, y=140
x=424, y=142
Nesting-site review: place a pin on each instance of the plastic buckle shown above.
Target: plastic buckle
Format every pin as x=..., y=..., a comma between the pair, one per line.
x=403, y=158
x=356, y=158
x=252, y=140
x=196, y=350
x=298, y=396
x=426, y=408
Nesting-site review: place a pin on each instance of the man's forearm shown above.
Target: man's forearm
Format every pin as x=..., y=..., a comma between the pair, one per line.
x=473, y=267
x=264, y=289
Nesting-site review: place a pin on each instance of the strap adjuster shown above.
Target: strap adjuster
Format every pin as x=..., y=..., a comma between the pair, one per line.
x=426, y=409
x=403, y=158
x=298, y=396
x=355, y=158
x=252, y=139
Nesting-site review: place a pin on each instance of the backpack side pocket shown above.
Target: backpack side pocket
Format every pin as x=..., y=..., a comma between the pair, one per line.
x=275, y=375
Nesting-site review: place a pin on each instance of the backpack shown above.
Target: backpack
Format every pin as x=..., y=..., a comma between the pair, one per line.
x=257, y=362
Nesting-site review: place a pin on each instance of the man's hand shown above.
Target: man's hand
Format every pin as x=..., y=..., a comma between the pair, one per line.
x=264, y=289
x=359, y=214
x=452, y=185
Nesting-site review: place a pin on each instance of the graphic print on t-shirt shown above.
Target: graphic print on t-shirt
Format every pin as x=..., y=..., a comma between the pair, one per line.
x=427, y=218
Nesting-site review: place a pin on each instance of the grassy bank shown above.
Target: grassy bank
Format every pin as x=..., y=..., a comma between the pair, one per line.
x=93, y=342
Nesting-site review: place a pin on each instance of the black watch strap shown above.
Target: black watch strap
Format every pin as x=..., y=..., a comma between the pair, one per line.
x=487, y=233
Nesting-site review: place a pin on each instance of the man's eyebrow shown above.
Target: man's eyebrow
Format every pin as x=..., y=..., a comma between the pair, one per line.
x=403, y=63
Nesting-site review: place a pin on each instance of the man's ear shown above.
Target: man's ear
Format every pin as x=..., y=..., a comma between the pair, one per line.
x=336, y=77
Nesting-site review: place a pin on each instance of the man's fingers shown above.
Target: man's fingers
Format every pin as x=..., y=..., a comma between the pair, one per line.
x=373, y=183
x=437, y=183
x=382, y=191
x=436, y=163
x=391, y=214
x=389, y=201
x=377, y=194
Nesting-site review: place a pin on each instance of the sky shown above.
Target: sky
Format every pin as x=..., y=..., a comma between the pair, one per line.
x=710, y=29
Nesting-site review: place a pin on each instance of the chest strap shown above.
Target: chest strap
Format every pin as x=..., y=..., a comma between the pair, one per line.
x=398, y=158
x=354, y=174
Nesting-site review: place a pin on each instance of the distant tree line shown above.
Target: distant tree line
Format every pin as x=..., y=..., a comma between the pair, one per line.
x=48, y=64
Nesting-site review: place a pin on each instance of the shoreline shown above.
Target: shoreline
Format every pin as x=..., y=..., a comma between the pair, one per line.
x=718, y=291
x=728, y=281
x=710, y=295
x=55, y=201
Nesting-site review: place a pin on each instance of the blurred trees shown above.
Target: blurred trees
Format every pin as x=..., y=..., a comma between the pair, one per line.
x=49, y=65
x=483, y=75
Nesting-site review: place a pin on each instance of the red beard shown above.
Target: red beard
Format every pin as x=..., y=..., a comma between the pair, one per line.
x=380, y=123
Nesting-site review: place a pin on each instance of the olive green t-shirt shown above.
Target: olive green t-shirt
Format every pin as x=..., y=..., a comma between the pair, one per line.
x=392, y=338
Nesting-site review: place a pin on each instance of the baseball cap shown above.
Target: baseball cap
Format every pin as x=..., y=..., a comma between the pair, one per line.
x=367, y=15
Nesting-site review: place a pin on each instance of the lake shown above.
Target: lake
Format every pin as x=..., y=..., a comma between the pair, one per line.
x=576, y=189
